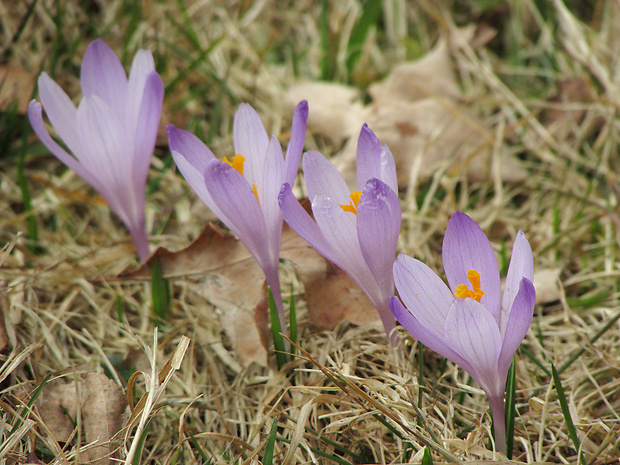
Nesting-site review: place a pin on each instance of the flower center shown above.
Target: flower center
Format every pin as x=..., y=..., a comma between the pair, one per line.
x=463, y=291
x=237, y=163
x=352, y=206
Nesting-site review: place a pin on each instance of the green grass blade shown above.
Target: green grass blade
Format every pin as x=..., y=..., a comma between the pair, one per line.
x=276, y=331
x=22, y=181
x=141, y=441
x=427, y=457
x=534, y=359
x=160, y=291
x=371, y=12
x=292, y=324
x=566, y=412
x=510, y=410
x=271, y=443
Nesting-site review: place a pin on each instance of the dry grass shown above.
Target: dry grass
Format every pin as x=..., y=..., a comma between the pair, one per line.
x=62, y=314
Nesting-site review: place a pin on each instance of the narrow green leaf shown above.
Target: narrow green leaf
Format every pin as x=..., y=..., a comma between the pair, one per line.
x=293, y=324
x=566, y=413
x=160, y=291
x=427, y=457
x=22, y=181
x=509, y=409
x=271, y=443
x=371, y=12
x=276, y=331
x=141, y=441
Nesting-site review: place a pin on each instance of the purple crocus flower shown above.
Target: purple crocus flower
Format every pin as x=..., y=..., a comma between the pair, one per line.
x=111, y=133
x=468, y=322
x=243, y=191
x=357, y=231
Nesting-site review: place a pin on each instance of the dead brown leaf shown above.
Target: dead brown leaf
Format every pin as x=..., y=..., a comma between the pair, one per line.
x=16, y=85
x=100, y=404
x=235, y=284
x=417, y=110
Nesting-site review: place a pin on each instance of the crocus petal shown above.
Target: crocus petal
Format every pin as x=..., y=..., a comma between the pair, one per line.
x=300, y=221
x=148, y=125
x=103, y=75
x=423, y=293
x=251, y=141
x=35, y=114
x=268, y=192
x=192, y=158
x=340, y=229
x=296, y=144
x=430, y=339
x=105, y=150
x=323, y=178
x=473, y=333
x=519, y=322
x=368, y=157
x=141, y=68
x=378, y=227
x=521, y=266
x=232, y=193
x=466, y=247
x=104, y=141
x=61, y=112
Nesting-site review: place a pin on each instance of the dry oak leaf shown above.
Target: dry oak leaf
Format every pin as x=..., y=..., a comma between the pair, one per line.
x=101, y=403
x=235, y=284
x=16, y=85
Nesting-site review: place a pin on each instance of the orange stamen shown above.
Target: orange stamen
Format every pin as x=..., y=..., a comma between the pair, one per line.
x=236, y=162
x=355, y=200
x=463, y=291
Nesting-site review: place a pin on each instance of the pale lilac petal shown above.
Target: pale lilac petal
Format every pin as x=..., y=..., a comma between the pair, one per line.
x=521, y=266
x=35, y=114
x=61, y=112
x=148, y=126
x=323, y=178
x=519, y=322
x=296, y=144
x=466, y=247
x=141, y=68
x=423, y=292
x=378, y=227
x=251, y=141
x=232, y=193
x=432, y=340
x=340, y=230
x=192, y=158
x=473, y=333
x=300, y=221
x=103, y=75
x=388, y=169
x=368, y=157
x=108, y=154
x=268, y=192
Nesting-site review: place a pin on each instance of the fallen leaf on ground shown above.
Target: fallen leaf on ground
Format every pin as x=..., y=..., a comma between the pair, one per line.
x=99, y=401
x=547, y=285
x=235, y=284
x=417, y=110
x=16, y=85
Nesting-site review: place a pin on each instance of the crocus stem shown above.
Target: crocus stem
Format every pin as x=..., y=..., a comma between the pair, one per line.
x=141, y=242
x=273, y=281
x=389, y=323
x=499, y=422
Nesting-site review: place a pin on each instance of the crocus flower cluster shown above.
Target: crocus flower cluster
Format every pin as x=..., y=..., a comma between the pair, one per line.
x=243, y=190
x=470, y=323
x=111, y=133
x=357, y=231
